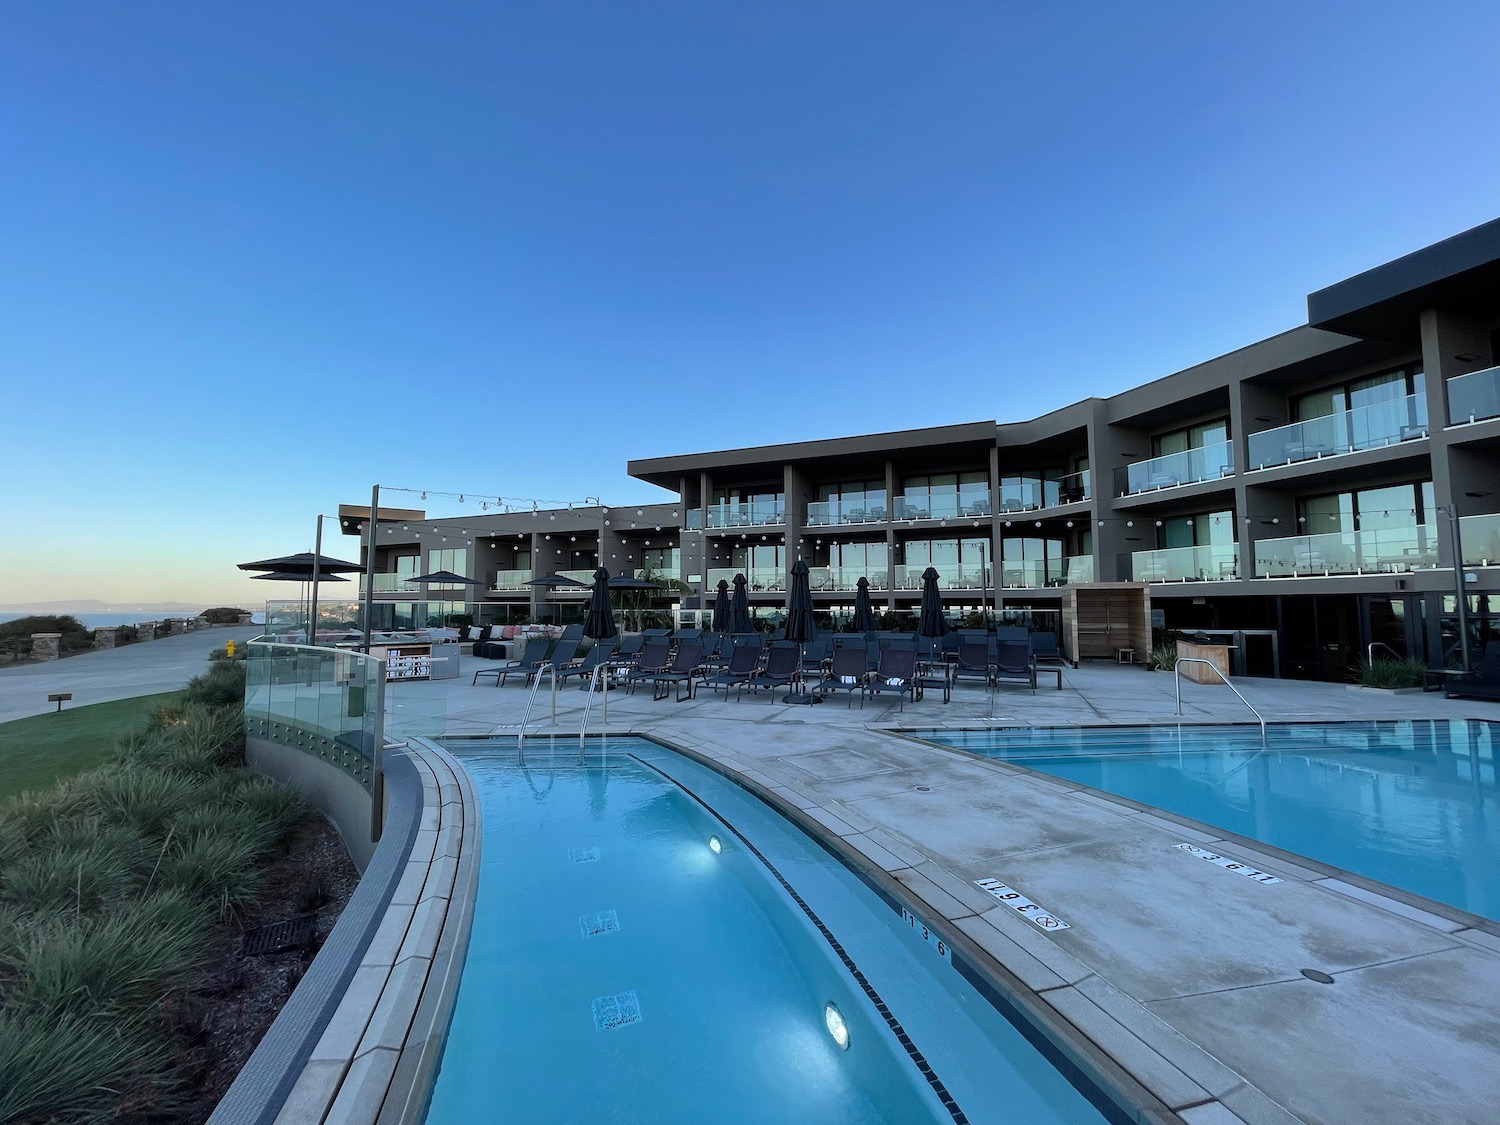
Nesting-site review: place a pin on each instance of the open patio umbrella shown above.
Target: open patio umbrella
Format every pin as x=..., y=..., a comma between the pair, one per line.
x=599, y=624
x=799, y=619
x=447, y=577
x=287, y=576
x=720, y=622
x=864, y=612
x=932, y=623
x=302, y=564
x=739, y=608
x=552, y=581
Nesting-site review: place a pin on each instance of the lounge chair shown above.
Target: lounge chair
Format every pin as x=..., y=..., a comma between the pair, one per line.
x=1013, y=665
x=655, y=657
x=847, y=673
x=686, y=666
x=1482, y=683
x=973, y=659
x=897, y=673
x=602, y=651
x=815, y=655
x=780, y=671
x=743, y=662
x=560, y=657
x=535, y=653
x=630, y=647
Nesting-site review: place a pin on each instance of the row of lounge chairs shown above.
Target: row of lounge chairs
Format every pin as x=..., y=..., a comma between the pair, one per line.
x=871, y=665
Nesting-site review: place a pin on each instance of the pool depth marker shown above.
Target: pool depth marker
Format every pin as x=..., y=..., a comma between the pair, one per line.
x=1022, y=905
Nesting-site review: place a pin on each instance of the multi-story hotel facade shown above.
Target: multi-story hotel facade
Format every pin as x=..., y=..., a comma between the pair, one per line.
x=1309, y=494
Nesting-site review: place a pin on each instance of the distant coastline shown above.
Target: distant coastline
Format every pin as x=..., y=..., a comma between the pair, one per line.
x=100, y=620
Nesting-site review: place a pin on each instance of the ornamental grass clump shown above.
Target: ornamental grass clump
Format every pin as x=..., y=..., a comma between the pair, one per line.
x=113, y=888
x=1392, y=674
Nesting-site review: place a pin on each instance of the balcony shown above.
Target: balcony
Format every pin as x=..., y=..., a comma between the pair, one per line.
x=844, y=579
x=1379, y=550
x=1474, y=396
x=1211, y=462
x=1073, y=488
x=943, y=506
x=510, y=581
x=760, y=579
x=951, y=576
x=1209, y=562
x=831, y=513
x=1480, y=537
x=1349, y=431
x=389, y=584
x=744, y=515
x=1076, y=569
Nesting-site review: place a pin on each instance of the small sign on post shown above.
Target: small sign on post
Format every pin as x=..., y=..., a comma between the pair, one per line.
x=60, y=698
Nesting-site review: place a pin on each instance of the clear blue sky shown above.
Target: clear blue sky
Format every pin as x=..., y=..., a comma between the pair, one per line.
x=256, y=258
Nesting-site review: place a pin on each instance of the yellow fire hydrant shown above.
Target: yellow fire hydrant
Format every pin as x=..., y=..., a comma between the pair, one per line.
x=229, y=649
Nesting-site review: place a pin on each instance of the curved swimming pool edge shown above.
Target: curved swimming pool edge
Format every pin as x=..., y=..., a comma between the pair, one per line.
x=1451, y=920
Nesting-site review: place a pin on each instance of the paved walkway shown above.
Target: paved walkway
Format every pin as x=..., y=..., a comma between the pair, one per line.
x=1187, y=976
x=117, y=673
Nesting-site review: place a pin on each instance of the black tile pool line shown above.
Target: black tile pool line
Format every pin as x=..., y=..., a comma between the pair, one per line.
x=1077, y=1077
x=892, y=1022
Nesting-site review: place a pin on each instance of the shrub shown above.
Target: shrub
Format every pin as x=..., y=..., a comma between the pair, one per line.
x=218, y=869
x=1164, y=656
x=73, y=1069
x=78, y=878
x=222, y=615
x=1392, y=673
x=145, y=799
x=223, y=685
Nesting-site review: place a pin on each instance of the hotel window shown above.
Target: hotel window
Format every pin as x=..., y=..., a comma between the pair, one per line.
x=853, y=501
x=944, y=496
x=455, y=559
x=1200, y=436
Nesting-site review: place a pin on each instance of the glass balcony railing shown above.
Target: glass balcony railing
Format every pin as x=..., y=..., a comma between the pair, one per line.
x=693, y=519
x=1030, y=573
x=1074, y=487
x=1026, y=495
x=951, y=576
x=845, y=578
x=1474, y=396
x=1077, y=568
x=828, y=513
x=390, y=584
x=939, y=506
x=1365, y=427
x=327, y=703
x=1480, y=537
x=1385, y=549
x=506, y=581
x=745, y=515
x=757, y=578
x=1210, y=462
x=1207, y=562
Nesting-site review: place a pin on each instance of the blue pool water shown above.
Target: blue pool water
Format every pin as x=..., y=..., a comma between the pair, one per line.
x=621, y=969
x=1412, y=804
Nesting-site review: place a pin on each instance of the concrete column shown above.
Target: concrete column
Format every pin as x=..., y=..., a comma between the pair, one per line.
x=46, y=646
x=104, y=638
x=245, y=618
x=145, y=630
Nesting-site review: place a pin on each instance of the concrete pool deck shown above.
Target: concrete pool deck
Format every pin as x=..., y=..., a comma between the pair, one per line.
x=1181, y=973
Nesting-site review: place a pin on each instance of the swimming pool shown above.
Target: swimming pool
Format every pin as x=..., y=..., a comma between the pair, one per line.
x=638, y=957
x=1412, y=804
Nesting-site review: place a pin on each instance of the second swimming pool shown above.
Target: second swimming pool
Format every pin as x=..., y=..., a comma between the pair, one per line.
x=1412, y=804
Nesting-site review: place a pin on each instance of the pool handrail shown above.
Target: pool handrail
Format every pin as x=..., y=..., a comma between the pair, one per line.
x=1373, y=645
x=1177, y=682
x=550, y=670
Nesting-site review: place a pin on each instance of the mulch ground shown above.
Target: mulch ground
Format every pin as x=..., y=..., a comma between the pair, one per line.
x=223, y=1021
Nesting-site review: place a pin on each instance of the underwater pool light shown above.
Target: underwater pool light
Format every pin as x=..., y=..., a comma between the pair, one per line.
x=836, y=1025
x=714, y=845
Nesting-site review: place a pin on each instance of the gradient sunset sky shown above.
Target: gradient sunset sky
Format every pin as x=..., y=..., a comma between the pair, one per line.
x=257, y=258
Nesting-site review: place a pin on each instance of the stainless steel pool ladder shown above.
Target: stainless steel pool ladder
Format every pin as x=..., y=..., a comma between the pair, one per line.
x=536, y=683
x=1373, y=645
x=1177, y=682
x=597, y=679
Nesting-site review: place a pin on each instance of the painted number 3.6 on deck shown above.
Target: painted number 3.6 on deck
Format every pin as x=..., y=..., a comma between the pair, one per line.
x=927, y=935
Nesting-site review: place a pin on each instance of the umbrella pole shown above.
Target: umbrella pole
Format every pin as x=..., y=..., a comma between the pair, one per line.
x=370, y=562
x=312, y=613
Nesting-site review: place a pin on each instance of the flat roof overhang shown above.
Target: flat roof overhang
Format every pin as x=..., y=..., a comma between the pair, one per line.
x=1460, y=273
x=353, y=516
x=966, y=439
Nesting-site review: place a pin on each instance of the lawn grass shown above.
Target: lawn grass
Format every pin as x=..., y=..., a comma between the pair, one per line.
x=39, y=750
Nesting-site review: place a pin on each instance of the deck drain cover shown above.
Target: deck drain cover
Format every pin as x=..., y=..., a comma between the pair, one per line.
x=615, y=1011
x=583, y=855
x=605, y=922
x=1318, y=975
x=924, y=789
x=278, y=937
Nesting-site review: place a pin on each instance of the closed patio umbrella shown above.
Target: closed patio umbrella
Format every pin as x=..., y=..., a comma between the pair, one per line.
x=799, y=619
x=932, y=623
x=864, y=612
x=599, y=624
x=721, y=608
x=739, y=608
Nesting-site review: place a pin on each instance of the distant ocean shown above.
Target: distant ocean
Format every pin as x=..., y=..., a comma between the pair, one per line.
x=95, y=620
